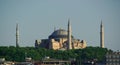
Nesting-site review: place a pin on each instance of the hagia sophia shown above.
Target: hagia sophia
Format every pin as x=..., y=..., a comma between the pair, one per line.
x=61, y=40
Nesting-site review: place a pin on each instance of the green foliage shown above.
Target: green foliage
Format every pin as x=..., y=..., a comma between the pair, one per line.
x=18, y=54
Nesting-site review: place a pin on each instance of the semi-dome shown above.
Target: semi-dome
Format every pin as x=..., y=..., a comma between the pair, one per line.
x=60, y=33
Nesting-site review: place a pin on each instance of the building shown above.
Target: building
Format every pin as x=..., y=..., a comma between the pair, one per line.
x=50, y=61
x=4, y=62
x=113, y=58
x=61, y=39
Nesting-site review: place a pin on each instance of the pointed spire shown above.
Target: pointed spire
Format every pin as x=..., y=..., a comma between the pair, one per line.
x=17, y=35
x=101, y=21
x=16, y=26
x=101, y=35
x=69, y=35
x=69, y=21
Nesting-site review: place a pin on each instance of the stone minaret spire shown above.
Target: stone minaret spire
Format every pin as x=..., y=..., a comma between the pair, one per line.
x=17, y=36
x=101, y=35
x=69, y=35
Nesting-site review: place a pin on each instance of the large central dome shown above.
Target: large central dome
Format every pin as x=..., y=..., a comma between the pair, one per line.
x=60, y=33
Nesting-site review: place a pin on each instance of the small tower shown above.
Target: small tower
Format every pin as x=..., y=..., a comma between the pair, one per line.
x=69, y=35
x=101, y=35
x=17, y=36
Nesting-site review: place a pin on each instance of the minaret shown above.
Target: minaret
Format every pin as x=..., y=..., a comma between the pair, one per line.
x=69, y=35
x=101, y=35
x=17, y=36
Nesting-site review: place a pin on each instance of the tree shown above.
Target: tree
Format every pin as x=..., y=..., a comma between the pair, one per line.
x=18, y=54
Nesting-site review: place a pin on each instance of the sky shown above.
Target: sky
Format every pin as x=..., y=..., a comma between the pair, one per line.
x=38, y=18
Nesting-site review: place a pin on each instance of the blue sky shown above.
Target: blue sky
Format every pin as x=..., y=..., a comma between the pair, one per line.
x=37, y=19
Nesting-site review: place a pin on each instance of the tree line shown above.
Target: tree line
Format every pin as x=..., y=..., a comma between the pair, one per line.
x=18, y=54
